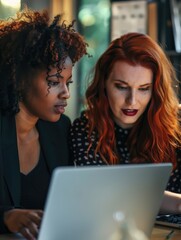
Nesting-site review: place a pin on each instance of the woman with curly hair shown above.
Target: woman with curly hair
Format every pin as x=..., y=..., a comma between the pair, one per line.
x=36, y=61
x=132, y=113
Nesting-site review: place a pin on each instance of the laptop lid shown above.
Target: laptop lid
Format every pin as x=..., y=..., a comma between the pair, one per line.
x=82, y=202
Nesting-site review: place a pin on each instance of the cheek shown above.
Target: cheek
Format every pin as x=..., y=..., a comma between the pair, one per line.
x=111, y=97
x=116, y=100
x=37, y=97
x=146, y=99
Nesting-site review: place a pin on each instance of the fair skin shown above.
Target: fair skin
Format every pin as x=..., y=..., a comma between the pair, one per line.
x=129, y=90
x=171, y=203
x=47, y=105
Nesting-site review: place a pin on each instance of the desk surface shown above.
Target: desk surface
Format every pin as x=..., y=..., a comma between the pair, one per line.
x=159, y=233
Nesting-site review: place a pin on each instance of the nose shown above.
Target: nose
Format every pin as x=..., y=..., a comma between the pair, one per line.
x=131, y=98
x=64, y=92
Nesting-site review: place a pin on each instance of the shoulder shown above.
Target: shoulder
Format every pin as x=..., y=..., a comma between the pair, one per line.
x=80, y=122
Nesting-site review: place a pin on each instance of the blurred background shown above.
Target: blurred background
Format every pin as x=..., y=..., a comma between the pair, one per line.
x=100, y=21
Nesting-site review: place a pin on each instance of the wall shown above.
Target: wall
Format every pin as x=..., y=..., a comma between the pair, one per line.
x=36, y=4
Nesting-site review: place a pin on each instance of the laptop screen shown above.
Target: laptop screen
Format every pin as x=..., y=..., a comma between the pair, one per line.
x=82, y=202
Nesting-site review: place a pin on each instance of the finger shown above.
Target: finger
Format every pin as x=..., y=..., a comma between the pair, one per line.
x=35, y=218
x=33, y=229
x=26, y=233
x=39, y=212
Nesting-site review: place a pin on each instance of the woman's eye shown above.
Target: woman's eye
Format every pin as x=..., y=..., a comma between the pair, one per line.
x=144, y=89
x=52, y=83
x=121, y=87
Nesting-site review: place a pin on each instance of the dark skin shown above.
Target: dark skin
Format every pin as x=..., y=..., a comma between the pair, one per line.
x=27, y=222
x=37, y=103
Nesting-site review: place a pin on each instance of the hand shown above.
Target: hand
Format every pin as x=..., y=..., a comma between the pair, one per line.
x=24, y=221
x=171, y=203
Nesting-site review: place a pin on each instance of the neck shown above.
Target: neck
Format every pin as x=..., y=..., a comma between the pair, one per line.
x=25, y=121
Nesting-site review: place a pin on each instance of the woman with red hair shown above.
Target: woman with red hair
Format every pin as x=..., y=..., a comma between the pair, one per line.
x=132, y=113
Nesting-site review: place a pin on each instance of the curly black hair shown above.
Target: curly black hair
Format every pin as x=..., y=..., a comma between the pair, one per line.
x=30, y=42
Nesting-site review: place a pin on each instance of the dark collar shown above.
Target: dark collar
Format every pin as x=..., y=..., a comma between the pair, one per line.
x=53, y=140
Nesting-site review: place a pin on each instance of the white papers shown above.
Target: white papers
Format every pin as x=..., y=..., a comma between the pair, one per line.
x=176, y=24
x=128, y=17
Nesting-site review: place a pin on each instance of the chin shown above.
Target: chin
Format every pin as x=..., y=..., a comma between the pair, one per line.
x=52, y=119
x=56, y=119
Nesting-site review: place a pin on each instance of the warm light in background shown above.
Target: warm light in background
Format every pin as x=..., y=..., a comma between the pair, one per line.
x=11, y=3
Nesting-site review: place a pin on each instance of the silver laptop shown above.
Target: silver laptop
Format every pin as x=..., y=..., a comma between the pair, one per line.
x=82, y=202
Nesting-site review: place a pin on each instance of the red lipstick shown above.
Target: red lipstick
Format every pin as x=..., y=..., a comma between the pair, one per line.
x=130, y=112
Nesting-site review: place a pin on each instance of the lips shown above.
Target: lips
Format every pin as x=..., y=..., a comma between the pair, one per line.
x=130, y=112
x=60, y=109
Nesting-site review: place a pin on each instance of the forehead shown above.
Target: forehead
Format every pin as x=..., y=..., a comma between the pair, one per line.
x=131, y=74
x=66, y=65
x=68, y=62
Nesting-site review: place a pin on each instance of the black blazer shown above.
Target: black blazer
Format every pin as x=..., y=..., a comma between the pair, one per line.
x=54, y=144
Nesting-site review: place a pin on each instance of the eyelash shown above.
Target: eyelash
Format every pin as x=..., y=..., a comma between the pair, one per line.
x=52, y=83
x=55, y=83
x=144, y=89
x=69, y=82
x=125, y=88
x=120, y=87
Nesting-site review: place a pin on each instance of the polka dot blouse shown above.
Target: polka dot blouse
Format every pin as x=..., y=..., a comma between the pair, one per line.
x=79, y=144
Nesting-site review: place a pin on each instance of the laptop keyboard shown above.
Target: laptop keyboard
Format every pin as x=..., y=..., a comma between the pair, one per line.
x=172, y=218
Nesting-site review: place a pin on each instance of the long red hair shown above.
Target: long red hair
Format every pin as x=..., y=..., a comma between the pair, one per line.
x=156, y=135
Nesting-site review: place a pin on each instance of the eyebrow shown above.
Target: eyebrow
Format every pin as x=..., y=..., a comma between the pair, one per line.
x=70, y=77
x=58, y=75
x=143, y=85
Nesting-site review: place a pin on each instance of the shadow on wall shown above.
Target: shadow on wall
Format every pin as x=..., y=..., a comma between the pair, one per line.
x=36, y=4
